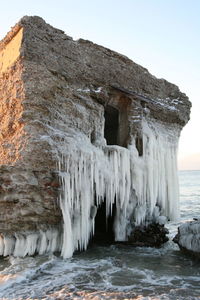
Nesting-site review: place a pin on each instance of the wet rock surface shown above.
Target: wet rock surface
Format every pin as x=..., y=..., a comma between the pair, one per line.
x=153, y=235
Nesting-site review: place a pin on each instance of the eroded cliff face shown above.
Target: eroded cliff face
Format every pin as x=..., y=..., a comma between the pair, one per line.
x=86, y=134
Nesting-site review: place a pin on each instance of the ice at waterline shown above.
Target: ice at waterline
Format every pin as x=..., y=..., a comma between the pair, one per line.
x=143, y=188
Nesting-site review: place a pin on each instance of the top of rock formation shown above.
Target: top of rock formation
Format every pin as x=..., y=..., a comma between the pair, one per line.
x=95, y=66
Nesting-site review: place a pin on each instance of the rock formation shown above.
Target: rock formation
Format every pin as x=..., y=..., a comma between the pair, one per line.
x=88, y=142
x=188, y=238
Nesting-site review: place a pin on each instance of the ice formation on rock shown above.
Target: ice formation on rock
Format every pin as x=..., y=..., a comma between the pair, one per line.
x=112, y=126
x=143, y=187
x=29, y=243
x=188, y=236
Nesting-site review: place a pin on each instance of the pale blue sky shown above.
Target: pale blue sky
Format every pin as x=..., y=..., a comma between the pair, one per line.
x=161, y=35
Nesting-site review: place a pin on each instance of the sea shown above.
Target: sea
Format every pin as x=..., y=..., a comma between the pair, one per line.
x=112, y=272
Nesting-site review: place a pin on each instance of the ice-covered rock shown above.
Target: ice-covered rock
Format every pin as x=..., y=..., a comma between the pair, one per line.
x=88, y=142
x=188, y=237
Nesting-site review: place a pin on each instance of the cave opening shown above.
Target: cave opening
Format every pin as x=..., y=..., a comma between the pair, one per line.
x=116, y=126
x=111, y=127
x=104, y=226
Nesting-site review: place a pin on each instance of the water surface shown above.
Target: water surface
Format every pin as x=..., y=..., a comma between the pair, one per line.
x=112, y=272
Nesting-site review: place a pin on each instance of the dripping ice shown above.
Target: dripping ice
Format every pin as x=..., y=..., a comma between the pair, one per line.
x=145, y=188
x=29, y=243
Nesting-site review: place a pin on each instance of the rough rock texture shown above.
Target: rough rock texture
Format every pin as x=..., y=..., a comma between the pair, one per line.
x=188, y=238
x=51, y=89
x=153, y=235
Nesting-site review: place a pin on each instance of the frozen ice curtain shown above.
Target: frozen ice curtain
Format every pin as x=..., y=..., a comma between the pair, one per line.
x=142, y=187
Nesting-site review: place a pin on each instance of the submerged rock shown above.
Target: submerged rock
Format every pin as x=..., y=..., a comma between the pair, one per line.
x=188, y=238
x=82, y=127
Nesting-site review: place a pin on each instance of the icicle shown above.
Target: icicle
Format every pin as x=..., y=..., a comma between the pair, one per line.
x=1, y=245
x=42, y=243
x=65, y=204
x=53, y=241
x=20, y=246
x=9, y=244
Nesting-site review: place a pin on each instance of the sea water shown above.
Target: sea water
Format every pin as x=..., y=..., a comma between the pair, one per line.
x=112, y=272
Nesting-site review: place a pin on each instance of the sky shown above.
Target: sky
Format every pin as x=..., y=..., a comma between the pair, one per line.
x=161, y=35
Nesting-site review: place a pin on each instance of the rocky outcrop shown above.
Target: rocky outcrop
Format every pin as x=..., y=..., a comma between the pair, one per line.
x=81, y=125
x=188, y=238
x=153, y=235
